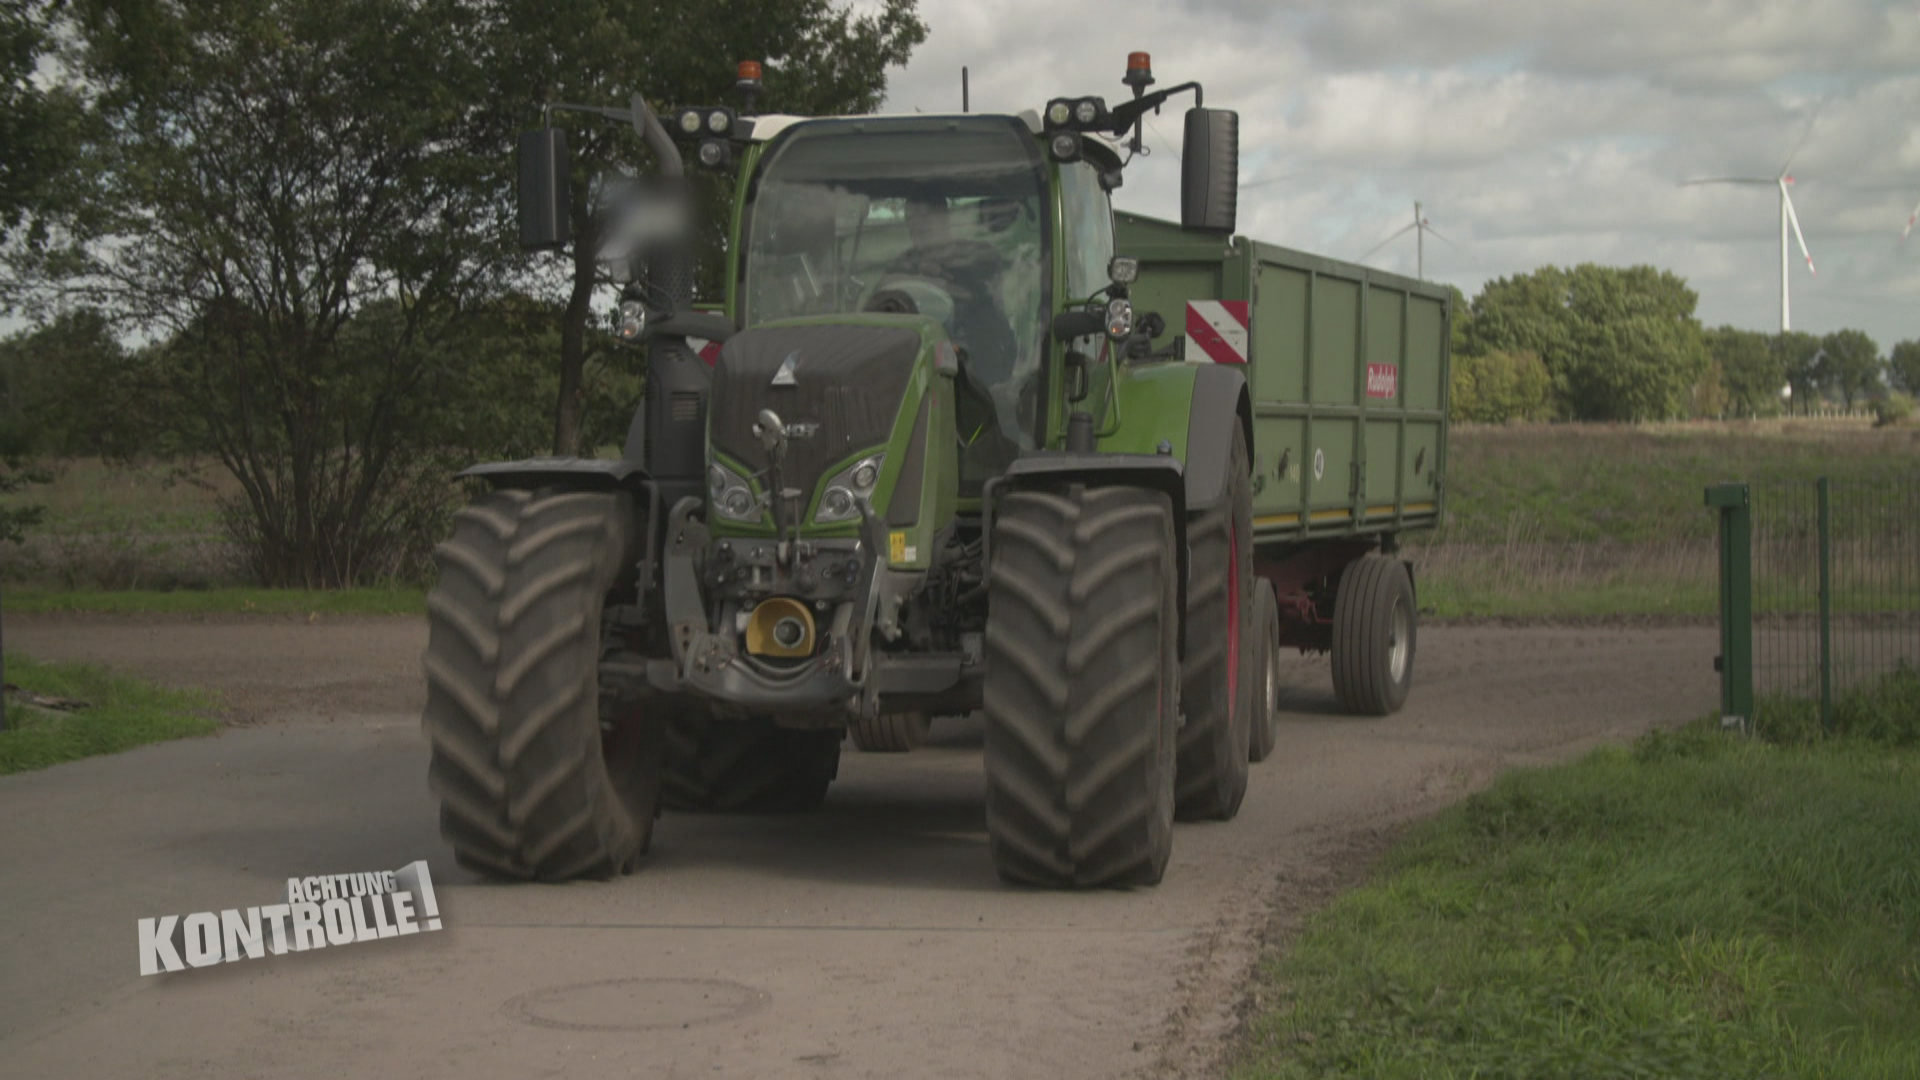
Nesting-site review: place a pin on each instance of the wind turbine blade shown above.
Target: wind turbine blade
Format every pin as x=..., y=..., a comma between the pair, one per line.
x=1270, y=180
x=1797, y=147
x=1435, y=233
x=1767, y=182
x=1397, y=235
x=1795, y=220
x=1911, y=218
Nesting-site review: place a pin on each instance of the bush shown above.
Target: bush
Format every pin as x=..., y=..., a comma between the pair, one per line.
x=1895, y=408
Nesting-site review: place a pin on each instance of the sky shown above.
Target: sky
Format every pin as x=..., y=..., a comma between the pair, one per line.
x=1533, y=132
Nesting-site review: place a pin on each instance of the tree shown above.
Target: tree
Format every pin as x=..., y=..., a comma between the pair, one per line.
x=819, y=59
x=259, y=174
x=35, y=120
x=1500, y=387
x=1620, y=343
x=1850, y=365
x=1798, y=354
x=1903, y=366
x=1751, y=372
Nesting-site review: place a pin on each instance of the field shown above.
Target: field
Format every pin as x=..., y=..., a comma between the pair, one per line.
x=1561, y=521
x=1599, y=520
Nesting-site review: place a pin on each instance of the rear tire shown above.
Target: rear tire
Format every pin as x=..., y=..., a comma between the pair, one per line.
x=1082, y=687
x=1265, y=731
x=1217, y=690
x=748, y=766
x=1375, y=630
x=530, y=783
x=890, y=733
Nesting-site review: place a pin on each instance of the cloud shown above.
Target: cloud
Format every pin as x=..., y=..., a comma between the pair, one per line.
x=1532, y=132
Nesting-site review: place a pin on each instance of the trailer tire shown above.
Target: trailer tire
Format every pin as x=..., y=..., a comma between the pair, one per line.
x=533, y=780
x=1217, y=690
x=750, y=766
x=1082, y=690
x=890, y=733
x=1375, y=631
x=1265, y=730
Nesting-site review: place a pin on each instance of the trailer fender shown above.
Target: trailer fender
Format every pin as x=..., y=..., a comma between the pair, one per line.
x=1219, y=392
x=1161, y=472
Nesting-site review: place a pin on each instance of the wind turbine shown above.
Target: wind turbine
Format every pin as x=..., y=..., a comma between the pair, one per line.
x=1911, y=218
x=1787, y=219
x=1421, y=227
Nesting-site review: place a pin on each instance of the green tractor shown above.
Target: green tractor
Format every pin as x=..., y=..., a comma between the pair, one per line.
x=939, y=466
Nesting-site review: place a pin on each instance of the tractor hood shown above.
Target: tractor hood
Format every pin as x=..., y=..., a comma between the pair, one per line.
x=850, y=389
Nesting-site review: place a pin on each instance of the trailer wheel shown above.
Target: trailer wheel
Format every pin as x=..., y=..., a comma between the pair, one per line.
x=890, y=733
x=533, y=780
x=1265, y=730
x=1082, y=691
x=749, y=766
x=1375, y=630
x=1217, y=687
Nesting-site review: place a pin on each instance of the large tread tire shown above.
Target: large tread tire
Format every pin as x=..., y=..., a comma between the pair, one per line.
x=1217, y=690
x=1082, y=689
x=1265, y=733
x=520, y=760
x=748, y=766
x=890, y=733
x=1373, y=616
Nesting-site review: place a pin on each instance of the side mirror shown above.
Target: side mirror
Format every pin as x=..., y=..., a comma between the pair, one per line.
x=1210, y=170
x=545, y=221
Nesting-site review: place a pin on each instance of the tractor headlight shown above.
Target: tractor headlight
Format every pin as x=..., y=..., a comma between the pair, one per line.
x=841, y=500
x=732, y=496
x=1119, y=319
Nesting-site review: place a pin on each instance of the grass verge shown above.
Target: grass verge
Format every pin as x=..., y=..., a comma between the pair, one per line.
x=388, y=601
x=124, y=713
x=1697, y=906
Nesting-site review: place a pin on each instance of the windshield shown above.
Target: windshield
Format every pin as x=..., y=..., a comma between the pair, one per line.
x=940, y=217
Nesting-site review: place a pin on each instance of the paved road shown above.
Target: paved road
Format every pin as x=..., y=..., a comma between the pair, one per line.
x=868, y=940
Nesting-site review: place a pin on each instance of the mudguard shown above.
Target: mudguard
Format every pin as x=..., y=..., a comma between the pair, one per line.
x=582, y=474
x=1161, y=472
x=1219, y=391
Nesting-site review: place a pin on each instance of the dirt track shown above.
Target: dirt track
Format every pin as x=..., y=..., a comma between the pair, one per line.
x=871, y=939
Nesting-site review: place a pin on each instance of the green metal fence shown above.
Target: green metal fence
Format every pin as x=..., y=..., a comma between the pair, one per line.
x=1819, y=590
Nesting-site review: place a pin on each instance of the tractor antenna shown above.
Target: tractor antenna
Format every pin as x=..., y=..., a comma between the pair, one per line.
x=965, y=104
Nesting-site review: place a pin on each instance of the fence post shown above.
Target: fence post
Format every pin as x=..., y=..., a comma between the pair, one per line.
x=1826, y=607
x=1735, y=662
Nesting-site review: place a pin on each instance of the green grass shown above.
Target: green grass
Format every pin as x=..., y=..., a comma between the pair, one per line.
x=123, y=713
x=1697, y=906
x=1451, y=598
x=386, y=601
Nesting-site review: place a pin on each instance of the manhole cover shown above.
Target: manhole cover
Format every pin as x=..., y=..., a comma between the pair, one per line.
x=636, y=1004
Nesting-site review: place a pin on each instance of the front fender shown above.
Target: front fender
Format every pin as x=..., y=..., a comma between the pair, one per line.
x=581, y=474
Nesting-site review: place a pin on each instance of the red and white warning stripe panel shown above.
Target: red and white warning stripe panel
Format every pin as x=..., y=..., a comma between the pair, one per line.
x=1217, y=331
x=707, y=350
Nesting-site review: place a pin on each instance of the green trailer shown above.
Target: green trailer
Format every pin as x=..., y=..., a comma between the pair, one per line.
x=1348, y=372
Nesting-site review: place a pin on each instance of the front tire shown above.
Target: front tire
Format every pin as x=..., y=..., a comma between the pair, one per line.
x=533, y=780
x=1375, y=629
x=1082, y=687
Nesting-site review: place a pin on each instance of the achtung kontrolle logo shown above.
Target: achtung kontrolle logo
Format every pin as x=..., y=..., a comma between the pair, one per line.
x=333, y=909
